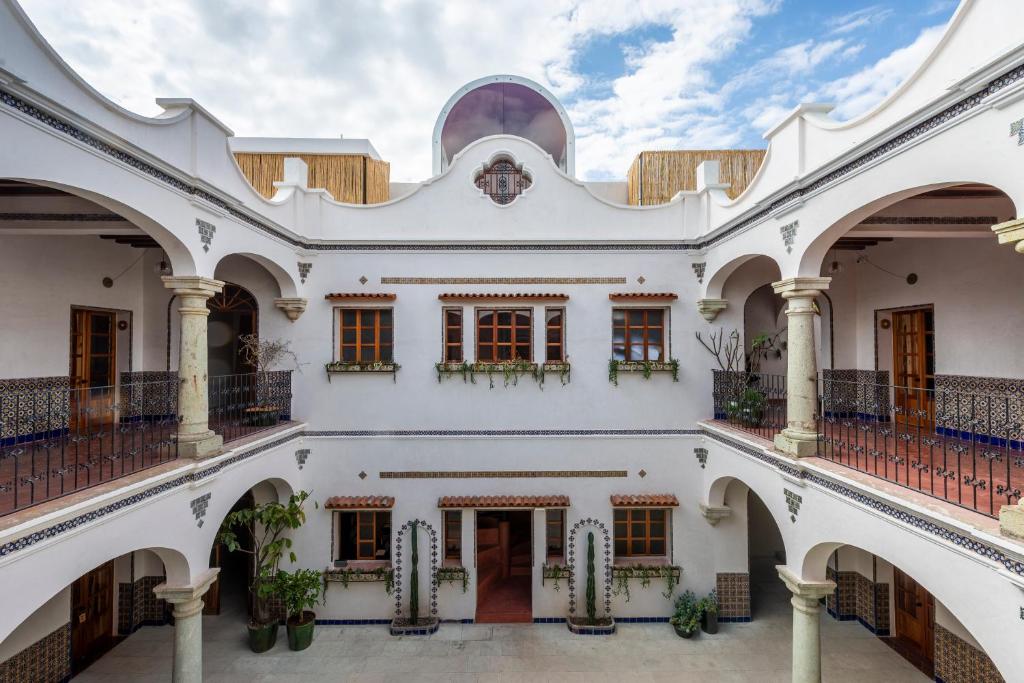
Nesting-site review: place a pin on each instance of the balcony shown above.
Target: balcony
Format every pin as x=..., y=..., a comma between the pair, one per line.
x=58, y=441
x=961, y=447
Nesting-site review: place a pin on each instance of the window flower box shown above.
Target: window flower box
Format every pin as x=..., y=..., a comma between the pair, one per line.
x=347, y=575
x=555, y=573
x=452, y=576
x=646, y=368
x=343, y=368
x=623, y=574
x=510, y=371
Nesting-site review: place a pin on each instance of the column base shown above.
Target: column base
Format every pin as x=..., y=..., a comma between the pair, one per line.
x=797, y=444
x=1011, y=521
x=199, y=446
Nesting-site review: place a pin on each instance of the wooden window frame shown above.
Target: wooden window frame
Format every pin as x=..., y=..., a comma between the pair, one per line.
x=548, y=524
x=456, y=554
x=375, y=523
x=645, y=329
x=640, y=516
x=359, y=344
x=448, y=330
x=494, y=344
x=548, y=327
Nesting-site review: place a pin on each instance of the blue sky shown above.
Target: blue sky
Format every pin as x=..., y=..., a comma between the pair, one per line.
x=646, y=74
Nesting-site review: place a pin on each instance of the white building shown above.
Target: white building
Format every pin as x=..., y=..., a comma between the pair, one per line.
x=464, y=364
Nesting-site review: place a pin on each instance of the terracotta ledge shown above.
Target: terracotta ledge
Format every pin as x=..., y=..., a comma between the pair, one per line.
x=643, y=296
x=360, y=296
x=522, y=296
x=359, y=503
x=644, y=500
x=500, y=502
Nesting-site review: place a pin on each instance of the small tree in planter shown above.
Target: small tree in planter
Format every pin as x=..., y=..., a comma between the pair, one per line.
x=264, y=355
x=264, y=525
x=686, y=618
x=300, y=591
x=709, y=613
x=592, y=624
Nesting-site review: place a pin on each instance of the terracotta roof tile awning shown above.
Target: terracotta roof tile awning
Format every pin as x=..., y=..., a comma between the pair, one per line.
x=503, y=502
x=360, y=503
x=360, y=296
x=643, y=296
x=645, y=500
x=520, y=296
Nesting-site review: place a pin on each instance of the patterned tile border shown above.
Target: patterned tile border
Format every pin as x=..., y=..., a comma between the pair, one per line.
x=432, y=539
x=755, y=215
x=957, y=661
x=973, y=545
x=47, y=659
x=506, y=474
x=608, y=565
x=503, y=432
x=503, y=280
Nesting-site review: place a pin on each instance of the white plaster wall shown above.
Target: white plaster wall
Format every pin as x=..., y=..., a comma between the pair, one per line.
x=48, y=618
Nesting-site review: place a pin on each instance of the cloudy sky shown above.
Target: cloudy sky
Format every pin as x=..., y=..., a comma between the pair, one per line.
x=633, y=74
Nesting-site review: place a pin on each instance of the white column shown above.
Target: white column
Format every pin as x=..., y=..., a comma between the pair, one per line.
x=806, y=622
x=800, y=437
x=195, y=439
x=1011, y=517
x=188, y=625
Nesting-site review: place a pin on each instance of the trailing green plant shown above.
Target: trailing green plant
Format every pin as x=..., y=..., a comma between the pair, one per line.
x=621, y=586
x=646, y=367
x=414, y=579
x=591, y=582
x=264, y=526
x=300, y=590
x=555, y=572
x=451, y=369
x=686, y=615
x=645, y=573
x=347, y=575
x=339, y=366
x=613, y=371
x=674, y=368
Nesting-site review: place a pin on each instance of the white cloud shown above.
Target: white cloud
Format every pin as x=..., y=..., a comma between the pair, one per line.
x=847, y=23
x=859, y=92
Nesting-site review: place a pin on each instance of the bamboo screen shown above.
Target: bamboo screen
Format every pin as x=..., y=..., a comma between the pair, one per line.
x=655, y=177
x=353, y=179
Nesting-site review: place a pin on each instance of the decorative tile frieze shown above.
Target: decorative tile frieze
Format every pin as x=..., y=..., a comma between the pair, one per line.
x=733, y=590
x=793, y=502
x=199, y=506
x=503, y=280
x=304, y=269
x=33, y=405
x=363, y=279
x=206, y=232
x=301, y=456
x=1017, y=128
x=504, y=474
x=702, y=456
x=698, y=270
x=606, y=538
x=930, y=220
x=434, y=547
x=789, y=235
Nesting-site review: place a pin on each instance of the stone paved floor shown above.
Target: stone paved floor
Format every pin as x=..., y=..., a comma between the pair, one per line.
x=758, y=651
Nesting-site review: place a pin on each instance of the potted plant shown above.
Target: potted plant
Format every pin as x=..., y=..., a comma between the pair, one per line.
x=300, y=591
x=264, y=354
x=264, y=526
x=709, y=613
x=592, y=625
x=686, y=618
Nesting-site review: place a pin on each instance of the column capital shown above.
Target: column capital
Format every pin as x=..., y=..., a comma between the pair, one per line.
x=710, y=308
x=1011, y=232
x=1011, y=521
x=715, y=513
x=191, y=592
x=808, y=590
x=292, y=307
x=193, y=285
x=801, y=286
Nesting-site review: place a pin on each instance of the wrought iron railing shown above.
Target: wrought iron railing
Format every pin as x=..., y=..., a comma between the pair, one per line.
x=751, y=402
x=241, y=405
x=57, y=441
x=965, y=448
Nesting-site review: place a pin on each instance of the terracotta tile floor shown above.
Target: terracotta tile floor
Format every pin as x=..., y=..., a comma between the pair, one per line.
x=508, y=602
x=484, y=653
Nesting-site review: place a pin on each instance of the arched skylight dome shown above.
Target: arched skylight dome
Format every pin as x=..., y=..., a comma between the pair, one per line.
x=507, y=105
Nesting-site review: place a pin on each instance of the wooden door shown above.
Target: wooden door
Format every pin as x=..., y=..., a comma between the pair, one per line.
x=93, y=366
x=913, y=367
x=92, y=616
x=915, y=621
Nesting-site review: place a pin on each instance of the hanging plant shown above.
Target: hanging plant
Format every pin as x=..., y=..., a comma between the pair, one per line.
x=646, y=368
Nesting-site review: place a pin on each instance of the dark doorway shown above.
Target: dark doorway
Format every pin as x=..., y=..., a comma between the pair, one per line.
x=765, y=551
x=233, y=313
x=915, y=623
x=92, y=616
x=504, y=566
x=229, y=593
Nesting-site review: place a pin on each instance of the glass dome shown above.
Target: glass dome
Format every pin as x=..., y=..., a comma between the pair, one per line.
x=508, y=108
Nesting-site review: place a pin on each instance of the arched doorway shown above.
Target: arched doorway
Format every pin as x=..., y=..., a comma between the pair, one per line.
x=234, y=313
x=765, y=550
